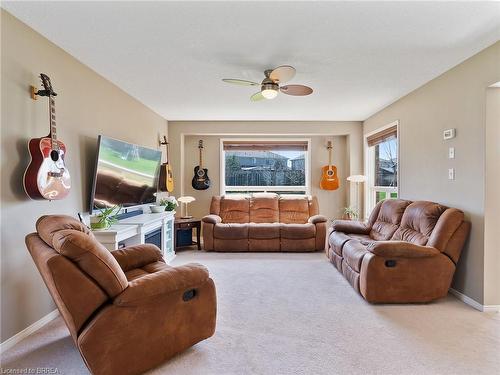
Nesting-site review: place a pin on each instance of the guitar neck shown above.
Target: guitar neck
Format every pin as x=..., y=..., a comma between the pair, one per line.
x=52, y=121
x=201, y=159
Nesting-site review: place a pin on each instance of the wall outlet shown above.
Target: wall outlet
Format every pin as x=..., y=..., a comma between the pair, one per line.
x=451, y=173
x=448, y=134
x=451, y=153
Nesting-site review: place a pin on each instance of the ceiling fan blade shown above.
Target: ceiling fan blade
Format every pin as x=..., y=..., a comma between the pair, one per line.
x=241, y=82
x=256, y=97
x=297, y=90
x=282, y=73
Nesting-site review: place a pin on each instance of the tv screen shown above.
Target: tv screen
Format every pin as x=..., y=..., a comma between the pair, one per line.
x=125, y=174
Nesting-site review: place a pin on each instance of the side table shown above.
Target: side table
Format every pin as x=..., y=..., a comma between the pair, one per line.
x=187, y=225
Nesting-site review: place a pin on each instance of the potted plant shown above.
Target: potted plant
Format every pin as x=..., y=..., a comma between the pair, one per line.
x=350, y=213
x=170, y=203
x=105, y=218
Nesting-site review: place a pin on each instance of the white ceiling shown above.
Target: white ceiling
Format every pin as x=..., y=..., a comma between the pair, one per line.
x=358, y=57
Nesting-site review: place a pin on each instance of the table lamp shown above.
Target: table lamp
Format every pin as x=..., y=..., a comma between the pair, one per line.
x=186, y=200
x=357, y=179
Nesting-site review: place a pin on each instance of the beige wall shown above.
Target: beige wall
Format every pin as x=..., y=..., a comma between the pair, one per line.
x=331, y=202
x=87, y=105
x=492, y=199
x=184, y=138
x=455, y=99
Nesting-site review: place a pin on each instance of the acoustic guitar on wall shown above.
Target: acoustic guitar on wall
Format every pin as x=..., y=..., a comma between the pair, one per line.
x=200, y=181
x=47, y=176
x=329, y=178
x=166, y=179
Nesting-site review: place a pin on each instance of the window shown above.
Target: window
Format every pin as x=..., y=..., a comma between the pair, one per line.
x=260, y=165
x=381, y=166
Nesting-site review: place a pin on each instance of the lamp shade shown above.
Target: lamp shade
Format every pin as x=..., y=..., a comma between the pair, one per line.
x=356, y=178
x=186, y=199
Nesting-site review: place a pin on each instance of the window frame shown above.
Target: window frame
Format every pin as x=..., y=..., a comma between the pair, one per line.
x=371, y=190
x=222, y=167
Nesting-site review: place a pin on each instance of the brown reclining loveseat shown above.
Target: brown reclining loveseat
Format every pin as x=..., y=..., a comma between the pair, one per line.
x=127, y=311
x=406, y=252
x=264, y=222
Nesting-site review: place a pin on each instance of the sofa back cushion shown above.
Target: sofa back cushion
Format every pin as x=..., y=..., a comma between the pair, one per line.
x=264, y=208
x=74, y=241
x=294, y=209
x=390, y=212
x=235, y=209
x=418, y=222
x=76, y=294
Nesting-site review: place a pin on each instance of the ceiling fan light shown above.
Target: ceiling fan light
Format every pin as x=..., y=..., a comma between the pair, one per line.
x=269, y=93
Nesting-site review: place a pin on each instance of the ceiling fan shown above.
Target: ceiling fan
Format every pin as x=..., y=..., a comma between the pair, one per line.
x=270, y=86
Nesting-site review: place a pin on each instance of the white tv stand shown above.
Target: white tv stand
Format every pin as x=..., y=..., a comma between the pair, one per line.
x=134, y=230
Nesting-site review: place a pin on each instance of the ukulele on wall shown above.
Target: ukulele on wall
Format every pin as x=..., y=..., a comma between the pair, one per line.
x=200, y=181
x=47, y=176
x=166, y=179
x=329, y=179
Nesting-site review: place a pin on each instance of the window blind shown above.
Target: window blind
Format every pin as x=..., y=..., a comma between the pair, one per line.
x=264, y=145
x=382, y=136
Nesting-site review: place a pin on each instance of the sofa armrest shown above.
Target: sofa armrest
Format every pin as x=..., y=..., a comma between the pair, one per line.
x=317, y=219
x=150, y=287
x=137, y=256
x=212, y=219
x=401, y=249
x=351, y=226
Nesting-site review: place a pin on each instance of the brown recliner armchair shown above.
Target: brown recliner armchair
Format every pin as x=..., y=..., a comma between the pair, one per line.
x=127, y=311
x=406, y=252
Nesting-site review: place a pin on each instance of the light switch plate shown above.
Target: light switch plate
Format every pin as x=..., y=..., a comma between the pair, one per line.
x=451, y=173
x=451, y=153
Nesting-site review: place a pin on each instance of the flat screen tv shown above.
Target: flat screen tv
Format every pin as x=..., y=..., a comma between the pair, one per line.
x=125, y=174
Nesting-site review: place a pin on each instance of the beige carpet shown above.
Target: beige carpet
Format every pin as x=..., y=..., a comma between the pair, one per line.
x=295, y=314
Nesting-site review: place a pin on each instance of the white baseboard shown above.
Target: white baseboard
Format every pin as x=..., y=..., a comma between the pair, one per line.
x=491, y=308
x=473, y=303
x=10, y=342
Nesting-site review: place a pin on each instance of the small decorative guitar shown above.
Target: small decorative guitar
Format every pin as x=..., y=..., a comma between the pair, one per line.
x=200, y=181
x=166, y=179
x=329, y=179
x=47, y=176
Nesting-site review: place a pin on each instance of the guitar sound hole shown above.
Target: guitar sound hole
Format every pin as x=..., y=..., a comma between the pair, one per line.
x=329, y=173
x=201, y=173
x=54, y=155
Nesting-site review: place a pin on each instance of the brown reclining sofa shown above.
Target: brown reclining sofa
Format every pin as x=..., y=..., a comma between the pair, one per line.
x=406, y=252
x=264, y=222
x=127, y=311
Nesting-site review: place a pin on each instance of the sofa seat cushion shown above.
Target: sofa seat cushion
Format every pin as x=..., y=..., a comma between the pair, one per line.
x=231, y=231
x=337, y=241
x=263, y=230
x=297, y=231
x=363, y=238
x=353, y=253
